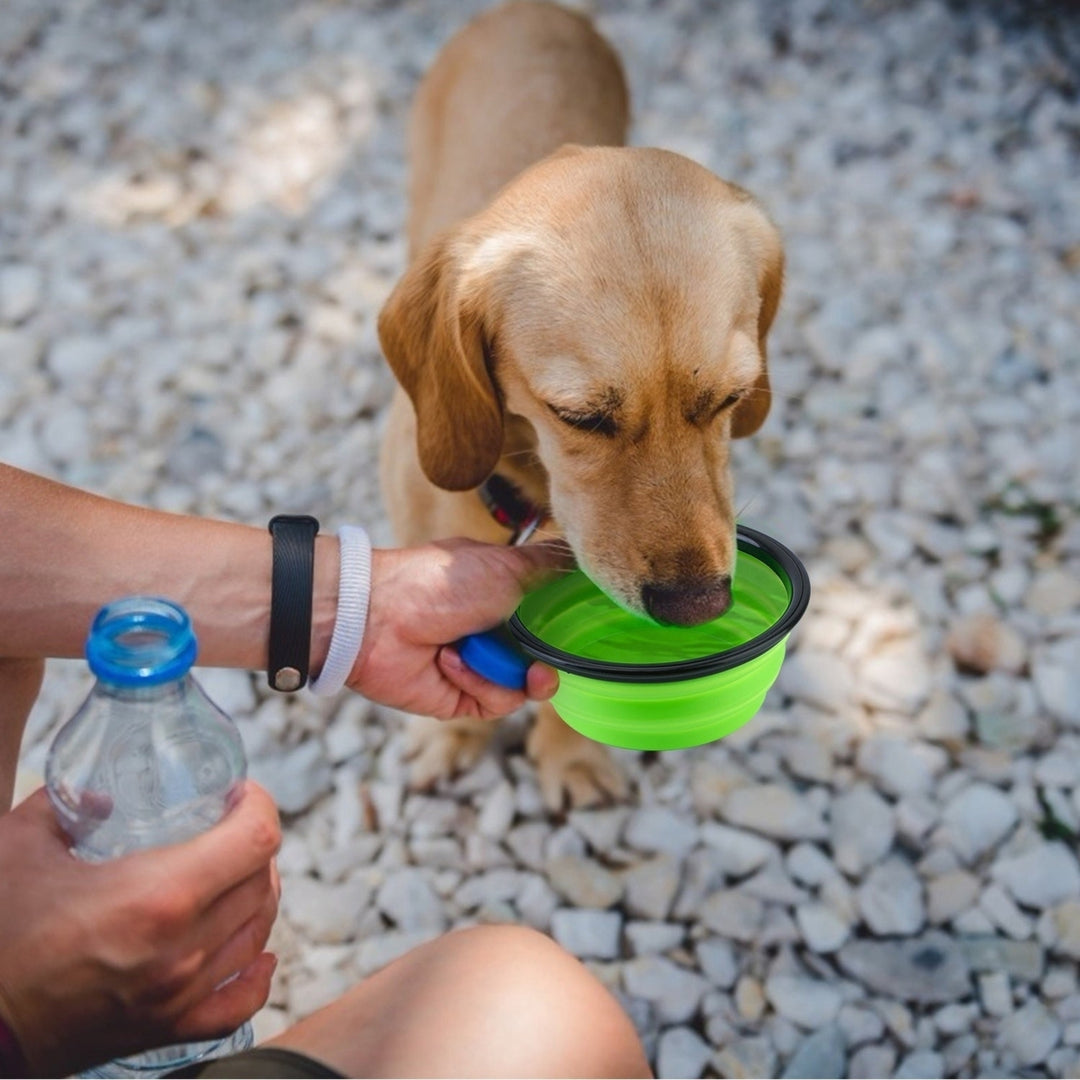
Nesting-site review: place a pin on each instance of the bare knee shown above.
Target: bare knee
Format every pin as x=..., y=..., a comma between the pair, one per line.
x=555, y=1018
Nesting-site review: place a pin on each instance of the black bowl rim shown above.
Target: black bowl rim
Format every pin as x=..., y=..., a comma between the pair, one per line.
x=784, y=563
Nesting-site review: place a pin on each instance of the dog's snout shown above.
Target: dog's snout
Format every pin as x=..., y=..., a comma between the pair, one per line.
x=688, y=603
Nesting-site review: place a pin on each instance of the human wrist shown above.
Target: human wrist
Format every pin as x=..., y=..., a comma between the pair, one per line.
x=324, y=597
x=351, y=611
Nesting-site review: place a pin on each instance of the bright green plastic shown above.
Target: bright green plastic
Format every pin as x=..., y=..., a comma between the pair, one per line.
x=670, y=715
x=573, y=615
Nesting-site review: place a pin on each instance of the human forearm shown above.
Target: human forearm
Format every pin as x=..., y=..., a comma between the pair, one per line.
x=67, y=552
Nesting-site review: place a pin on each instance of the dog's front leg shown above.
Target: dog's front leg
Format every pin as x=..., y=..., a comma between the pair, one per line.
x=573, y=771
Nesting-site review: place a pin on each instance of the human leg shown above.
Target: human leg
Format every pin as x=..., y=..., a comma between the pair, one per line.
x=487, y=1001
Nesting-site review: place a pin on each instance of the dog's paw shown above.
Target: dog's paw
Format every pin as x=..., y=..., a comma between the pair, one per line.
x=439, y=749
x=573, y=772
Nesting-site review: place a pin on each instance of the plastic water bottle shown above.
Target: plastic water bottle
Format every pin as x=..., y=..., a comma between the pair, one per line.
x=148, y=759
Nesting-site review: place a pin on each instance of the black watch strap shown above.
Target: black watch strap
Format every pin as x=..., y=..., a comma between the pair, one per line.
x=290, y=600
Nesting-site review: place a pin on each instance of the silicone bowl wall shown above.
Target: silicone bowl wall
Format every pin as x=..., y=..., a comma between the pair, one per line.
x=667, y=716
x=627, y=682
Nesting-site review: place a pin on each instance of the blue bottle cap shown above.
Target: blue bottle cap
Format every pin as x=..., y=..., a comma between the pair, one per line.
x=493, y=655
x=141, y=641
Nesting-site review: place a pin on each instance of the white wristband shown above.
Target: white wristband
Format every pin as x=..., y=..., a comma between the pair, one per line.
x=354, y=594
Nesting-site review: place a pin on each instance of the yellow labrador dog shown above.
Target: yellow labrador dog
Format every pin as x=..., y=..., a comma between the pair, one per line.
x=579, y=333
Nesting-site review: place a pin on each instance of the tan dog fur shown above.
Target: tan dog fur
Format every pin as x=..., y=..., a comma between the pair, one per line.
x=584, y=318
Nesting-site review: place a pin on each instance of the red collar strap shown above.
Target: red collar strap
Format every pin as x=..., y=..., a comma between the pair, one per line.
x=510, y=508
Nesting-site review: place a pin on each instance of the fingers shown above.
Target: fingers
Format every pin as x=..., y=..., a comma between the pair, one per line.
x=490, y=700
x=232, y=935
x=541, y=681
x=534, y=564
x=241, y=845
x=224, y=1010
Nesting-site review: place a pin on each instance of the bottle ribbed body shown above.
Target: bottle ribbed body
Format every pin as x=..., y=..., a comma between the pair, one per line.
x=147, y=760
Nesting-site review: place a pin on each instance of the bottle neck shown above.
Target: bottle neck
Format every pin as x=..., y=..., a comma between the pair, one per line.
x=156, y=693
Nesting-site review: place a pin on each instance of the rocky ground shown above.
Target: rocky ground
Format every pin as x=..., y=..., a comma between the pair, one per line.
x=202, y=212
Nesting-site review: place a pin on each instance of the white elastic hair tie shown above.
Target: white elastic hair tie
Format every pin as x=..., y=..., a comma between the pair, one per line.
x=354, y=594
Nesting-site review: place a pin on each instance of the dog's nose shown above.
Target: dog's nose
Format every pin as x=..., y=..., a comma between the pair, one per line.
x=688, y=603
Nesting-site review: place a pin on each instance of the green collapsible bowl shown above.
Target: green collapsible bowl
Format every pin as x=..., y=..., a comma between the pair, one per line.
x=626, y=681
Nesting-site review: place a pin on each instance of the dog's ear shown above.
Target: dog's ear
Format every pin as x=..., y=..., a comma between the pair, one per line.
x=432, y=333
x=751, y=411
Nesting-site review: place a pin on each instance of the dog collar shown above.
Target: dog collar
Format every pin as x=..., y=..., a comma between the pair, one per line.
x=510, y=508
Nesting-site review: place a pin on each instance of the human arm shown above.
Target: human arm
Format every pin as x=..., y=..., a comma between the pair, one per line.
x=68, y=552
x=101, y=960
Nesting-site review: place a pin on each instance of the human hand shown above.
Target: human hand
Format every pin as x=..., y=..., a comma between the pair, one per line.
x=423, y=599
x=105, y=959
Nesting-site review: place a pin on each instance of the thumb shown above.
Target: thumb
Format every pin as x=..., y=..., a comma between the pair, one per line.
x=534, y=564
x=36, y=812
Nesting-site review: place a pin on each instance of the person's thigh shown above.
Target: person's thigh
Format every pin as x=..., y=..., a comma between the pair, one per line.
x=486, y=1001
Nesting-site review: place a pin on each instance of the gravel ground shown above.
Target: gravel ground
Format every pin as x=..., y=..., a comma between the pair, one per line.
x=202, y=212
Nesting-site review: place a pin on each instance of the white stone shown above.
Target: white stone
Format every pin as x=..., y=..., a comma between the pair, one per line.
x=995, y=993
x=656, y=829
x=653, y=937
x=733, y=914
x=718, y=962
x=977, y=819
x=326, y=913
x=295, y=778
x=819, y=678
x=1057, y=680
x=229, y=688
x=899, y=766
x=922, y=1064
x=588, y=934
x=20, y=291
x=822, y=928
x=1030, y=1033
x=862, y=828
x=408, y=899
x=497, y=812
x=805, y=1001
x=680, y=1051
x=1040, y=877
x=775, y=811
x=890, y=899
x=740, y=852
x=584, y=882
x=676, y=991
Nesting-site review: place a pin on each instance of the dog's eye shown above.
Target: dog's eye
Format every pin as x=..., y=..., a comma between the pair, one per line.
x=595, y=423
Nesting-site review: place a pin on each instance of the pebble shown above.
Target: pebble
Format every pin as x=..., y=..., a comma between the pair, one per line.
x=681, y=1051
x=890, y=899
x=983, y=642
x=1030, y=1033
x=588, y=934
x=775, y=811
x=977, y=819
x=584, y=882
x=1041, y=877
x=822, y=1054
x=810, y=1003
x=927, y=969
x=862, y=828
x=20, y=291
x=675, y=991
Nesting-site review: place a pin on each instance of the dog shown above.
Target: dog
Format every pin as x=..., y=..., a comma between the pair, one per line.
x=579, y=333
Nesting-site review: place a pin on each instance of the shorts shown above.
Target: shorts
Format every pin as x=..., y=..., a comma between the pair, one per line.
x=259, y=1061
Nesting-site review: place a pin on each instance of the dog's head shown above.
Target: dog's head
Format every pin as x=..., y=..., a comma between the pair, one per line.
x=616, y=301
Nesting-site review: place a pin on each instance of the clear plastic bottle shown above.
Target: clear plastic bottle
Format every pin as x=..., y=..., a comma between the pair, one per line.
x=148, y=759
